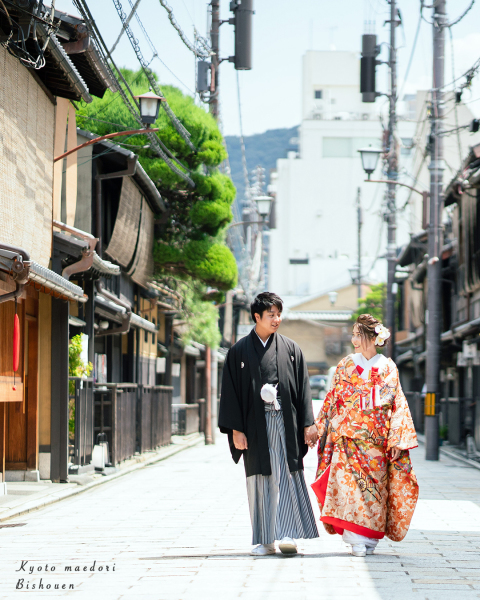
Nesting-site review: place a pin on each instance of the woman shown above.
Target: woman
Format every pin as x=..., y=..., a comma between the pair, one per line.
x=365, y=482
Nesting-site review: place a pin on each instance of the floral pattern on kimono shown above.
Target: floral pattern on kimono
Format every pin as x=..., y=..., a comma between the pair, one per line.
x=358, y=487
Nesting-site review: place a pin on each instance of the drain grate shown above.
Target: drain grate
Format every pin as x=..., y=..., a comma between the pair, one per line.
x=12, y=525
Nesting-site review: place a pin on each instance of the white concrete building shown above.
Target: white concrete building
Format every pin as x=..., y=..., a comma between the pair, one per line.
x=315, y=241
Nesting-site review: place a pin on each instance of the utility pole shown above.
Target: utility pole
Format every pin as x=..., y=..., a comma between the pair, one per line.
x=434, y=268
x=243, y=11
x=392, y=176
x=359, y=242
x=208, y=400
x=211, y=391
x=368, y=64
x=215, y=60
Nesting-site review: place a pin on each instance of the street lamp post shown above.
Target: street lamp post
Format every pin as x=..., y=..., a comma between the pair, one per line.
x=369, y=158
x=369, y=162
x=263, y=206
x=149, y=107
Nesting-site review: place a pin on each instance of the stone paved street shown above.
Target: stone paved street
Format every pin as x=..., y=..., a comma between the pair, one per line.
x=180, y=530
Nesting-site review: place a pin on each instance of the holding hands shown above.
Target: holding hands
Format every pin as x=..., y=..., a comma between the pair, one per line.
x=311, y=435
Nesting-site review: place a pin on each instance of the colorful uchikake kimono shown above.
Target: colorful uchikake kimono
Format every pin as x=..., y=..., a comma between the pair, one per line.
x=358, y=488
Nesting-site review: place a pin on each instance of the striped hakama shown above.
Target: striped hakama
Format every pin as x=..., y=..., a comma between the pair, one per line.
x=279, y=503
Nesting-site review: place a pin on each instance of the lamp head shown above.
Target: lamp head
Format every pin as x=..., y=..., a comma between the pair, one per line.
x=263, y=205
x=369, y=159
x=149, y=107
x=332, y=296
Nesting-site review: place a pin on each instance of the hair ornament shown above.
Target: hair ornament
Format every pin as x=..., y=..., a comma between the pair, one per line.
x=382, y=334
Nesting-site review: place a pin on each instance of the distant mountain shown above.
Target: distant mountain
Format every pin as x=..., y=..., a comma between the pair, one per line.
x=261, y=149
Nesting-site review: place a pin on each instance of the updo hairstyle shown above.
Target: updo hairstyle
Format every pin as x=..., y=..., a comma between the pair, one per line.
x=366, y=324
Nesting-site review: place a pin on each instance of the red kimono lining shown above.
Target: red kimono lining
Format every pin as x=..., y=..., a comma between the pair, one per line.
x=339, y=525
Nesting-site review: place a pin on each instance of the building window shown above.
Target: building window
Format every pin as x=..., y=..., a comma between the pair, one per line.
x=333, y=101
x=153, y=334
x=318, y=94
x=337, y=147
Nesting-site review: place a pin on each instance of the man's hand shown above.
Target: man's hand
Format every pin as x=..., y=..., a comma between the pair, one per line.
x=395, y=453
x=311, y=435
x=239, y=440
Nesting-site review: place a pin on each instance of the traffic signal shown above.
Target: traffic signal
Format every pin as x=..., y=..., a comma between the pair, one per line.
x=368, y=64
x=243, y=12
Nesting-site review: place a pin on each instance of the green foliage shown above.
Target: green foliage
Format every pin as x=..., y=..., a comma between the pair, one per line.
x=201, y=317
x=212, y=263
x=188, y=244
x=209, y=262
x=76, y=368
x=373, y=303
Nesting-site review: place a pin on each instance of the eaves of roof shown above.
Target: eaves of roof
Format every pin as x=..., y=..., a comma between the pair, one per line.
x=147, y=186
x=65, y=65
x=83, y=52
x=407, y=253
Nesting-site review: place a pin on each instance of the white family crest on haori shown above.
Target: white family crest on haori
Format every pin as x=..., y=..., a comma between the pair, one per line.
x=382, y=334
x=242, y=365
x=269, y=395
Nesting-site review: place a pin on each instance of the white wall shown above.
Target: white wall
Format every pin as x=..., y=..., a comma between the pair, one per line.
x=336, y=75
x=316, y=191
x=315, y=212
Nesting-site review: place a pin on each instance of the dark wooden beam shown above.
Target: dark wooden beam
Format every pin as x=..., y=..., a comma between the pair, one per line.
x=59, y=406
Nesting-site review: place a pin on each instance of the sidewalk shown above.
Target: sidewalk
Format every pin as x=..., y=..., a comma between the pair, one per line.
x=25, y=496
x=455, y=452
x=180, y=530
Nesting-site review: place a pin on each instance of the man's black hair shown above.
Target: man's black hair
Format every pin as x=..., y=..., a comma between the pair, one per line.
x=263, y=302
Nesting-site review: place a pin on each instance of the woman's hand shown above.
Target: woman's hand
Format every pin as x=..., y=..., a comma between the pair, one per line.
x=311, y=435
x=239, y=440
x=395, y=453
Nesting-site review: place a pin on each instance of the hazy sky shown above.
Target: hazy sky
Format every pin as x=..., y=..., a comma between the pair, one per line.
x=283, y=31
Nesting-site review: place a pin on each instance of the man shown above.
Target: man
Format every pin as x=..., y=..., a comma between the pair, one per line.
x=266, y=410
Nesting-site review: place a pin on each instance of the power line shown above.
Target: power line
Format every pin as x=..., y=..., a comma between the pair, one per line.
x=422, y=6
x=201, y=49
x=132, y=104
x=149, y=73
x=410, y=60
x=79, y=116
x=455, y=105
x=95, y=156
x=186, y=8
x=152, y=47
x=129, y=18
x=462, y=15
x=242, y=143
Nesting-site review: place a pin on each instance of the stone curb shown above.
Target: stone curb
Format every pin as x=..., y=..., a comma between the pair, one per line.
x=451, y=453
x=79, y=489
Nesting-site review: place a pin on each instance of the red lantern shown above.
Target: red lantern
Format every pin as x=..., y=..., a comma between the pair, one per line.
x=16, y=343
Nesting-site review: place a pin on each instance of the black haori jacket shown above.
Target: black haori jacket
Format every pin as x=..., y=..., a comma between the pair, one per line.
x=242, y=408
